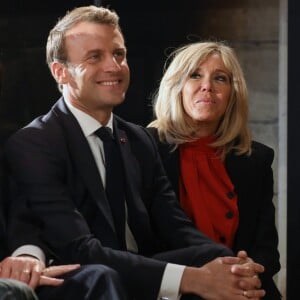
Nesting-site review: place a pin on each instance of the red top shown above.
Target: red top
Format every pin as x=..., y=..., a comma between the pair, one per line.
x=206, y=191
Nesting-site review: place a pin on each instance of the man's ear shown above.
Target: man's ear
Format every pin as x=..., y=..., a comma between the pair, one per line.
x=60, y=72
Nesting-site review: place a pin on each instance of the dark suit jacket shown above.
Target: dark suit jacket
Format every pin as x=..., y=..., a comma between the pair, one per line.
x=252, y=178
x=56, y=187
x=3, y=250
x=3, y=209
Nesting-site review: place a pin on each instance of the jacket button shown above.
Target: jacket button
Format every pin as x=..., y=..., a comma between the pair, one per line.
x=230, y=195
x=222, y=239
x=229, y=215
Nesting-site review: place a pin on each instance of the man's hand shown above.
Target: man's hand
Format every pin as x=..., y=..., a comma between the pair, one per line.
x=245, y=267
x=219, y=280
x=32, y=271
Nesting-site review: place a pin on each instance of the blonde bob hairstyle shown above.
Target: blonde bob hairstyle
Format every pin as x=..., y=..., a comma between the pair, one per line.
x=174, y=127
x=55, y=48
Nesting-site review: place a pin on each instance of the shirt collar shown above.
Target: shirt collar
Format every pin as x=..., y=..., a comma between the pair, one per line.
x=87, y=123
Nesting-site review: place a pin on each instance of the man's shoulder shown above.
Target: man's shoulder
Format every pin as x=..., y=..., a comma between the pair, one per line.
x=131, y=128
x=137, y=134
x=43, y=127
x=154, y=132
x=124, y=123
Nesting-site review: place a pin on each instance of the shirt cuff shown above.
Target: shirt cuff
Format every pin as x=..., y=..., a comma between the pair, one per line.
x=169, y=288
x=32, y=251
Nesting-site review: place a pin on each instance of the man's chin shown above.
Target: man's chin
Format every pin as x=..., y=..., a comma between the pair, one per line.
x=118, y=101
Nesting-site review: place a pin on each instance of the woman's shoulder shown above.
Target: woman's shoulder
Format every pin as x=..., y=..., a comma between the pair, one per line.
x=261, y=153
x=259, y=148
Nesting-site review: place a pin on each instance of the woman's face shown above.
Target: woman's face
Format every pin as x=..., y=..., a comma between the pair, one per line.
x=206, y=94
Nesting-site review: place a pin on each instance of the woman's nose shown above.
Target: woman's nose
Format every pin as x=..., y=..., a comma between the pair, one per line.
x=206, y=85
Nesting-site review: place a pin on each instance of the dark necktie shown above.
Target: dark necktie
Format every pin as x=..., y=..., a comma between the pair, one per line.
x=115, y=187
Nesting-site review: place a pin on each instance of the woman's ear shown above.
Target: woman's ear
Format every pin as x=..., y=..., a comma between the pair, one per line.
x=60, y=72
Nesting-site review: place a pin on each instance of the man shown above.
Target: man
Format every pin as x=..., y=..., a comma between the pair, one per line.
x=59, y=170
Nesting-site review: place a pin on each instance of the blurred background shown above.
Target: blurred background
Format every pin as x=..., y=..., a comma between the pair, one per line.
x=263, y=33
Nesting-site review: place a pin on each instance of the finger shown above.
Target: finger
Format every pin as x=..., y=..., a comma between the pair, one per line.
x=15, y=274
x=44, y=280
x=25, y=275
x=249, y=283
x=249, y=269
x=258, y=268
x=5, y=272
x=36, y=273
x=254, y=294
x=10, y=270
x=230, y=260
x=242, y=254
x=59, y=270
x=256, y=282
x=244, y=258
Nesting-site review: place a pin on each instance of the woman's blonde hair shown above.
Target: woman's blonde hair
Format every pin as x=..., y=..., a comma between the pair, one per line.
x=171, y=120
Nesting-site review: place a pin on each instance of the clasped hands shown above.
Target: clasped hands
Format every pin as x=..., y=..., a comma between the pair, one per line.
x=225, y=278
x=248, y=271
x=32, y=271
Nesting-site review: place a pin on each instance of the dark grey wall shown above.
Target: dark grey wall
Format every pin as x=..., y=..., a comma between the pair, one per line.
x=293, y=205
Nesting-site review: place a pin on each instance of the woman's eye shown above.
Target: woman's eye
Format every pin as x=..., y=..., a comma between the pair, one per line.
x=221, y=78
x=195, y=75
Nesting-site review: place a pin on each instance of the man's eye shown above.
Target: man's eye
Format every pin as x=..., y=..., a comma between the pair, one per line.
x=119, y=55
x=94, y=57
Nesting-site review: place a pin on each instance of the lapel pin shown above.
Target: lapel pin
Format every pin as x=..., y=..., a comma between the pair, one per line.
x=123, y=140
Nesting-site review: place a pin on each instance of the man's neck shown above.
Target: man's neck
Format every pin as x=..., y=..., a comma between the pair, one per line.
x=101, y=115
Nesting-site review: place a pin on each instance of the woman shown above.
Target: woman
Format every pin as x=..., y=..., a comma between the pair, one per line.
x=223, y=179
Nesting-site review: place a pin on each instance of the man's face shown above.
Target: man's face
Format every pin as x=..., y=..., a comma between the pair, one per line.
x=97, y=71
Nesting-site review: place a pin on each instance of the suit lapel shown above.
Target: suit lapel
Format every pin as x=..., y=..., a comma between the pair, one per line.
x=82, y=158
x=136, y=210
x=131, y=167
x=236, y=167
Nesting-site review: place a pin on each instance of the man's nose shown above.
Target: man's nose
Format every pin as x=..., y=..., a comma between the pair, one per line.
x=111, y=64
